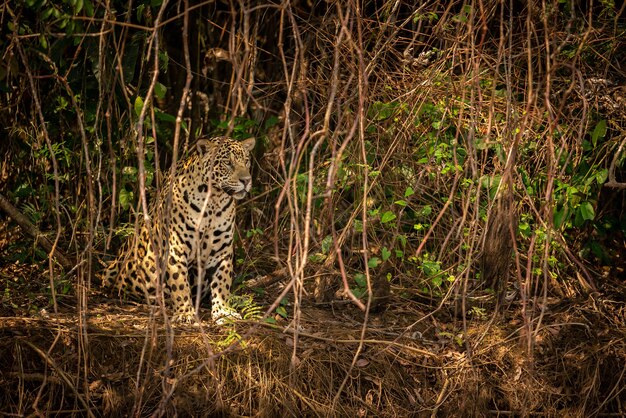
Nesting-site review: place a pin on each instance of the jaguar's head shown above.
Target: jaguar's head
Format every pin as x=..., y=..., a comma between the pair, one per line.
x=230, y=162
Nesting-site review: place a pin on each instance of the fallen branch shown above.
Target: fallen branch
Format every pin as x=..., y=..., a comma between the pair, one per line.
x=34, y=232
x=615, y=185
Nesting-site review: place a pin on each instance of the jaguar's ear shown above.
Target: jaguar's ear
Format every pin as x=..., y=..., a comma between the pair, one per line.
x=248, y=144
x=204, y=145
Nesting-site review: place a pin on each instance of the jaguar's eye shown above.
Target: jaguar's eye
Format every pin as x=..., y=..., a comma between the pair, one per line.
x=229, y=163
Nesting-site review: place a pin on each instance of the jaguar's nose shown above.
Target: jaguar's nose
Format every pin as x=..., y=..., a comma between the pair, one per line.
x=246, y=182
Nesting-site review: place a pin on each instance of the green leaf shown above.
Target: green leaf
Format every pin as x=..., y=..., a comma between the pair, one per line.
x=47, y=13
x=78, y=6
x=602, y=175
x=164, y=117
x=387, y=217
x=598, y=132
x=282, y=311
x=130, y=172
x=524, y=229
x=160, y=90
x=586, y=211
x=360, y=280
x=559, y=217
x=140, y=10
x=270, y=321
x=126, y=198
x=380, y=111
x=373, y=262
x=358, y=292
x=426, y=210
x=409, y=192
x=327, y=243
x=418, y=227
x=89, y=8
x=385, y=253
x=43, y=41
x=572, y=193
x=138, y=105
x=431, y=268
x=436, y=281
x=489, y=182
x=400, y=203
x=271, y=122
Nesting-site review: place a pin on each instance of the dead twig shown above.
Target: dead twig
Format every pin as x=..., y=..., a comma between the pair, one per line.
x=50, y=361
x=33, y=231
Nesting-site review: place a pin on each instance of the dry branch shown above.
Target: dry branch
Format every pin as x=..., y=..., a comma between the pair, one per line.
x=34, y=232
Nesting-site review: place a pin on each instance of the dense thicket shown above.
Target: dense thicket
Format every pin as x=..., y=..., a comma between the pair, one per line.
x=388, y=130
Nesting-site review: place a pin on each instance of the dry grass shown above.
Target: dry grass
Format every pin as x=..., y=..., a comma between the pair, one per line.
x=410, y=363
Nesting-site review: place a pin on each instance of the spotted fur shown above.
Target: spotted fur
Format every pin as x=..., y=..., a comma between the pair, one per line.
x=197, y=240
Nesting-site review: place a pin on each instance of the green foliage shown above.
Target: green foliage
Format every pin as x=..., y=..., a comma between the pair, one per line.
x=281, y=309
x=160, y=90
x=53, y=37
x=598, y=132
x=130, y=176
x=243, y=127
x=246, y=306
x=379, y=111
x=249, y=311
x=456, y=338
x=360, y=288
x=232, y=336
x=479, y=313
x=576, y=195
x=64, y=286
x=373, y=262
x=56, y=16
x=385, y=254
x=387, y=217
x=433, y=157
x=398, y=216
x=254, y=232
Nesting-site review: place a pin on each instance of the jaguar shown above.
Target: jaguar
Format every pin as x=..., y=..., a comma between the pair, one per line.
x=194, y=243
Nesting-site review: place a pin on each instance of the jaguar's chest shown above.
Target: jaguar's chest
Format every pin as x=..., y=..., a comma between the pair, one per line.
x=202, y=221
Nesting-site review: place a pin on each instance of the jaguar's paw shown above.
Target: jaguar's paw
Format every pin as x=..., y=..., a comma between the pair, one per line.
x=224, y=316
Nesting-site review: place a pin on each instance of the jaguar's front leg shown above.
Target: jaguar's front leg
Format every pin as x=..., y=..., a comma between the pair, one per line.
x=177, y=285
x=221, y=284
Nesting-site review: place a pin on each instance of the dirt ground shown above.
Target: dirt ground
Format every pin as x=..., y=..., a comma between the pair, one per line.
x=411, y=360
